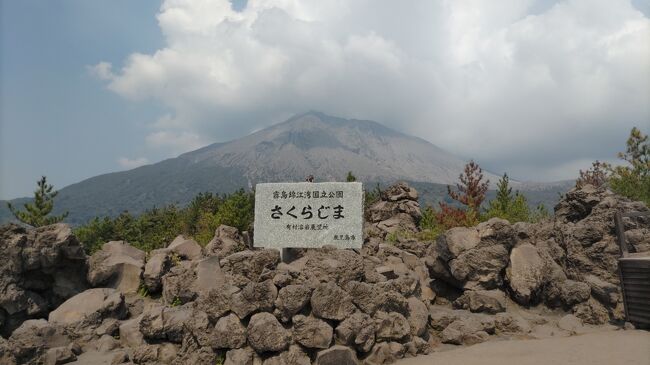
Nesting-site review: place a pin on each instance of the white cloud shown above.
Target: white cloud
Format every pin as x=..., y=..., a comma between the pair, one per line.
x=497, y=80
x=128, y=164
x=102, y=70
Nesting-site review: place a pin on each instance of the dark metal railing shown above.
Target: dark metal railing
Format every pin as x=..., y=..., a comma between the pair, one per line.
x=634, y=274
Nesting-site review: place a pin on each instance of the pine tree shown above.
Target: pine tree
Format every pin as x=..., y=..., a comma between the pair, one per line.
x=37, y=214
x=504, y=195
x=633, y=180
x=471, y=190
x=350, y=177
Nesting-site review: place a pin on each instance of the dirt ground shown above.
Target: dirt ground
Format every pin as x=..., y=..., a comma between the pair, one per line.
x=608, y=347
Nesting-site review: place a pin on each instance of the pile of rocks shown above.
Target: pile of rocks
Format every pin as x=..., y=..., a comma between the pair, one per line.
x=40, y=269
x=187, y=304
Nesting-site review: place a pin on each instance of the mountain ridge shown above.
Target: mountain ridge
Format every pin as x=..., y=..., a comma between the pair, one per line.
x=310, y=143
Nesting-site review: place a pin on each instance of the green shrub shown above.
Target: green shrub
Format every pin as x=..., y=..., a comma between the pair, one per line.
x=632, y=180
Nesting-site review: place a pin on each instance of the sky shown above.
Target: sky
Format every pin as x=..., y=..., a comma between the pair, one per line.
x=535, y=88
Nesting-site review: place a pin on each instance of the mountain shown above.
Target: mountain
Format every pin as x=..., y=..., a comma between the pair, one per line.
x=307, y=144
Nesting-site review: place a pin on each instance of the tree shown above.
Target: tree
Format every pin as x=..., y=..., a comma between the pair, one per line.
x=596, y=175
x=633, y=180
x=37, y=214
x=350, y=177
x=470, y=191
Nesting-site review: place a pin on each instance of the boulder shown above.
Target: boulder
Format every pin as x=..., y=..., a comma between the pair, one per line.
x=226, y=241
x=216, y=302
x=357, y=330
x=59, y=355
x=129, y=332
x=372, y=297
x=511, y=324
x=33, y=338
x=312, y=332
x=339, y=266
x=90, y=308
x=329, y=301
x=265, y=333
x=117, y=265
x=566, y=294
x=337, y=355
x=418, y=316
x=570, y=323
x=247, y=265
x=229, y=333
x=185, y=248
x=606, y=293
x=41, y=268
x=165, y=323
x=208, y=275
x=488, y=301
x=178, y=284
x=526, y=274
x=291, y=299
x=468, y=330
x=591, y=312
x=254, y=297
x=473, y=258
x=157, y=265
x=391, y=326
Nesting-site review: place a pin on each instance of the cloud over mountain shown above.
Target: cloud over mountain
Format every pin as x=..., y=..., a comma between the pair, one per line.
x=524, y=86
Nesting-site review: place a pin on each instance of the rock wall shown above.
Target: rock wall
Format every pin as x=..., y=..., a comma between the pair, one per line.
x=186, y=304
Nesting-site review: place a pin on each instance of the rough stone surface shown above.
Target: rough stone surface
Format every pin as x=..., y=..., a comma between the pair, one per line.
x=418, y=316
x=357, y=330
x=229, y=333
x=254, y=297
x=265, y=333
x=488, y=301
x=329, y=301
x=186, y=248
x=90, y=307
x=117, y=265
x=312, y=332
x=337, y=355
x=157, y=265
x=291, y=299
x=391, y=326
x=41, y=268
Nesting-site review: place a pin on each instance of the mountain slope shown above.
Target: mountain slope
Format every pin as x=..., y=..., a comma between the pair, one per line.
x=308, y=144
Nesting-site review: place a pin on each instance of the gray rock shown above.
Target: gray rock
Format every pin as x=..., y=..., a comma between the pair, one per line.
x=488, y=301
x=418, y=316
x=591, y=312
x=90, y=307
x=187, y=249
x=59, y=355
x=243, y=356
x=226, y=241
x=208, y=275
x=41, y=268
x=337, y=355
x=385, y=353
x=229, y=333
x=291, y=299
x=130, y=335
x=33, y=338
x=605, y=292
x=391, y=326
x=510, y=323
x=157, y=265
x=329, y=301
x=249, y=265
x=312, y=332
x=165, y=323
x=441, y=317
x=526, y=274
x=357, y=330
x=178, y=284
x=265, y=333
x=216, y=302
x=566, y=294
x=254, y=297
x=117, y=265
x=468, y=330
x=293, y=356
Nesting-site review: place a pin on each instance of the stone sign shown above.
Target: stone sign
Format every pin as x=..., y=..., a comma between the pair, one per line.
x=308, y=215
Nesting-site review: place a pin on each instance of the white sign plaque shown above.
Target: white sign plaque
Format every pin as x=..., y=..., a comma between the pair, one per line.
x=308, y=215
